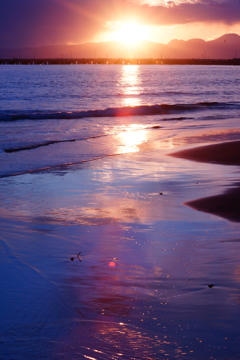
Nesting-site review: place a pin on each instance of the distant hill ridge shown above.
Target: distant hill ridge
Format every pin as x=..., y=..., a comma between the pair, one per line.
x=224, y=47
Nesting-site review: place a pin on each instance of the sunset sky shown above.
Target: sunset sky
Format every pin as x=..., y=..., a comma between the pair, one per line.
x=48, y=22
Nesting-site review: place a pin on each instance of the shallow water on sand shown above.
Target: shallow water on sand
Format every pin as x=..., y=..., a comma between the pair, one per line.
x=139, y=287
x=100, y=258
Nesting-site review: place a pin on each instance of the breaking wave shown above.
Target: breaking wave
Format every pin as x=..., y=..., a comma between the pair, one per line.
x=157, y=109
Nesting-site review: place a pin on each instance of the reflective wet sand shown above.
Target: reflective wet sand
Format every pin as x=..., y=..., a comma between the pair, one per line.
x=104, y=260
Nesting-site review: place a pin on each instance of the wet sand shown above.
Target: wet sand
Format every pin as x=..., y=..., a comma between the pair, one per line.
x=156, y=279
x=225, y=205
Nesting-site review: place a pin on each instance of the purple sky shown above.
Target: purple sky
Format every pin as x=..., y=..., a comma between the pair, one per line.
x=45, y=22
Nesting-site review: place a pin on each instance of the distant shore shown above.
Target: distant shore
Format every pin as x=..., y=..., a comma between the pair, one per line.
x=225, y=205
x=118, y=61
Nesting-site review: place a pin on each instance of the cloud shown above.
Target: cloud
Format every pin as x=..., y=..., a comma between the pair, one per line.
x=208, y=11
x=42, y=22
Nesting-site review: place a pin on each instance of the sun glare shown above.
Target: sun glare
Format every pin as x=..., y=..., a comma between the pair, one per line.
x=132, y=138
x=130, y=33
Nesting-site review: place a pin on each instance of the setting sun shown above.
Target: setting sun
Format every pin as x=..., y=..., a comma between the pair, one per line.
x=130, y=33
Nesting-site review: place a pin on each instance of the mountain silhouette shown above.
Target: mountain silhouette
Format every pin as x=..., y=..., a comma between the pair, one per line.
x=224, y=47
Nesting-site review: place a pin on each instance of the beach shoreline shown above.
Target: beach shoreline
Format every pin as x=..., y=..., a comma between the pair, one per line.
x=102, y=252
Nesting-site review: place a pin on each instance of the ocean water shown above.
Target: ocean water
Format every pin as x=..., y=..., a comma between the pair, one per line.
x=48, y=105
x=100, y=258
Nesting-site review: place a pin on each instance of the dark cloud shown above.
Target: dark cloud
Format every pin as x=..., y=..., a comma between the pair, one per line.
x=208, y=11
x=42, y=22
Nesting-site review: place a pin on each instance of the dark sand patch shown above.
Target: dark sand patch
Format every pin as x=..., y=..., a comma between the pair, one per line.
x=225, y=205
x=225, y=153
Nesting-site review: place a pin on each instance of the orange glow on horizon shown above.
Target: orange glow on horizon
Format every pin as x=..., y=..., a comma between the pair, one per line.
x=132, y=34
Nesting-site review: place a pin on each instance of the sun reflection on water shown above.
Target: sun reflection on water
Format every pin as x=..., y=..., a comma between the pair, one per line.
x=131, y=85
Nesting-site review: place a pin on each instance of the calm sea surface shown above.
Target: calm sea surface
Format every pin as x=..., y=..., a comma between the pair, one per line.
x=100, y=258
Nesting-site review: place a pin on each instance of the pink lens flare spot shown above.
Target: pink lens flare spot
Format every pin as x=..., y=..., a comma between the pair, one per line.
x=112, y=264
